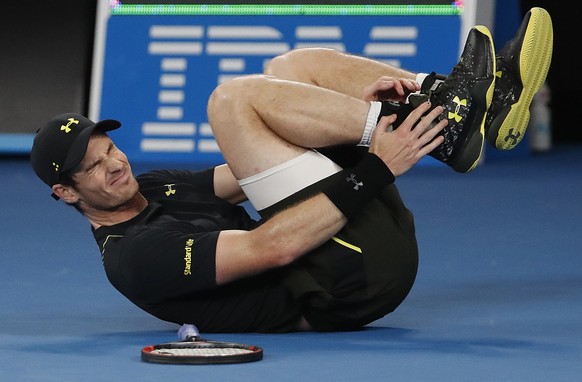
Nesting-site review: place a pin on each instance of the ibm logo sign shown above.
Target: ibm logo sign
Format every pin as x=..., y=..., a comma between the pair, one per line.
x=232, y=47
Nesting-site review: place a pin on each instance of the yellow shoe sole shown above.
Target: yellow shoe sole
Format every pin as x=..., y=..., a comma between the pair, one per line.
x=534, y=62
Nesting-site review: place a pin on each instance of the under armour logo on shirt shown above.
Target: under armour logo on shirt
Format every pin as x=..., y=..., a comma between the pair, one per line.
x=170, y=190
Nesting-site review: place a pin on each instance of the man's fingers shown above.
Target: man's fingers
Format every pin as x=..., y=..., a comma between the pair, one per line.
x=430, y=125
x=386, y=122
x=431, y=138
x=426, y=149
x=398, y=88
x=411, y=85
x=414, y=117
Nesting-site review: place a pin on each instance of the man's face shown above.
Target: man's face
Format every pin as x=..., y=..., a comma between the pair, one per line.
x=105, y=180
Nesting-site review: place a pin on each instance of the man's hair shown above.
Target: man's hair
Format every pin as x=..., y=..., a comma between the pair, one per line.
x=66, y=179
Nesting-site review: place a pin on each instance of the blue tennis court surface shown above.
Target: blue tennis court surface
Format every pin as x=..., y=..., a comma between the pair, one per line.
x=498, y=295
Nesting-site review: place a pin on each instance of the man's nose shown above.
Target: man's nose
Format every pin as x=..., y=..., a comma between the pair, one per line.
x=113, y=164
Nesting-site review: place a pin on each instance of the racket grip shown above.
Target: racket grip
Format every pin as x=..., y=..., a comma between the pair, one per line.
x=188, y=331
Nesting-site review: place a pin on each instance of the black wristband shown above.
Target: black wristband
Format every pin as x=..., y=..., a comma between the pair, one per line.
x=352, y=188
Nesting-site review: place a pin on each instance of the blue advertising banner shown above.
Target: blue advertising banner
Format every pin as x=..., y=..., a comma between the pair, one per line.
x=159, y=70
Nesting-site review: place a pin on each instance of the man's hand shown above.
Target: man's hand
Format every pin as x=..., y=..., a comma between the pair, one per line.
x=413, y=139
x=390, y=89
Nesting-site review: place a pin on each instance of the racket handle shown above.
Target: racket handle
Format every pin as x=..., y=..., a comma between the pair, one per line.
x=187, y=331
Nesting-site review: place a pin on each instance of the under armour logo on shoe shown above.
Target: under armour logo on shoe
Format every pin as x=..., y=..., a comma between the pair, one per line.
x=459, y=102
x=513, y=137
x=352, y=178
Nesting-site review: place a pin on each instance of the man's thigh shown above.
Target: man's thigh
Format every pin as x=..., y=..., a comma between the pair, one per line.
x=364, y=272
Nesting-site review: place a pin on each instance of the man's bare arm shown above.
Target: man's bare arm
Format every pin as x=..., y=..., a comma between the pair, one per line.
x=226, y=185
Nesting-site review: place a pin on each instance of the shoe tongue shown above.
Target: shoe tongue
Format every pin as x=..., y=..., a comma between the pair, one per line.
x=431, y=82
x=416, y=99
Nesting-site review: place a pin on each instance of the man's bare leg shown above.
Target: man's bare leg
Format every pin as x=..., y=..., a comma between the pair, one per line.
x=342, y=72
x=260, y=121
x=266, y=129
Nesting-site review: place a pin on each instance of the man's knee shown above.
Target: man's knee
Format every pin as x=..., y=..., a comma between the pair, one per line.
x=236, y=101
x=231, y=97
x=297, y=62
x=280, y=64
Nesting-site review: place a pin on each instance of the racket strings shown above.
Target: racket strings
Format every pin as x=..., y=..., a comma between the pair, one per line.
x=201, y=351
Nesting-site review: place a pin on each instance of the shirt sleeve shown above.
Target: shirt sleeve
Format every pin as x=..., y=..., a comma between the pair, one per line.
x=202, y=180
x=160, y=264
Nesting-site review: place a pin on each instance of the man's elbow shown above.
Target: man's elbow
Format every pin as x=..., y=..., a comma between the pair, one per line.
x=279, y=249
x=286, y=253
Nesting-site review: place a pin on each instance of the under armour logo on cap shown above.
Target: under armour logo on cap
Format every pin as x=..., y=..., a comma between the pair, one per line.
x=66, y=128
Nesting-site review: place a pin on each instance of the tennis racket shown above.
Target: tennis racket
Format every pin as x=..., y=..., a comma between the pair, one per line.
x=194, y=350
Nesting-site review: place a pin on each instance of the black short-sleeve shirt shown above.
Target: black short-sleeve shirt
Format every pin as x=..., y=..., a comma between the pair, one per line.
x=163, y=259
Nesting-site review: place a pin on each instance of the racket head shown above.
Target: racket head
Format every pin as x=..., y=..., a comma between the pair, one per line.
x=201, y=352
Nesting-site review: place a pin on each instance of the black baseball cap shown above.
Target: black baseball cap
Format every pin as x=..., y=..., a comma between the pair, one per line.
x=60, y=145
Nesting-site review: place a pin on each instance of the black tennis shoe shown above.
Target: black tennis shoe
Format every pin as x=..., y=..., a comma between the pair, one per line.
x=466, y=94
x=522, y=67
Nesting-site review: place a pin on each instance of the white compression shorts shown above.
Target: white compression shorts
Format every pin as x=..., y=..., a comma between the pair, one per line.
x=275, y=184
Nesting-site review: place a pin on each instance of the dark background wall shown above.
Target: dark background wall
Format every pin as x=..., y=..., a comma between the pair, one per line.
x=46, y=49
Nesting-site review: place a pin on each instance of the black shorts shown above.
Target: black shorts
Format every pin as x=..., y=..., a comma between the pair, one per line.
x=364, y=272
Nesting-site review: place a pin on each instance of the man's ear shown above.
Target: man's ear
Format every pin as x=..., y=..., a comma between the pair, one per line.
x=66, y=193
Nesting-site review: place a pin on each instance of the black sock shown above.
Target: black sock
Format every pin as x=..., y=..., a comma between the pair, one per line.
x=400, y=109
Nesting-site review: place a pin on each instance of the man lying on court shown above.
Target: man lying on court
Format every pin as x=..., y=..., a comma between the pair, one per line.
x=315, y=146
